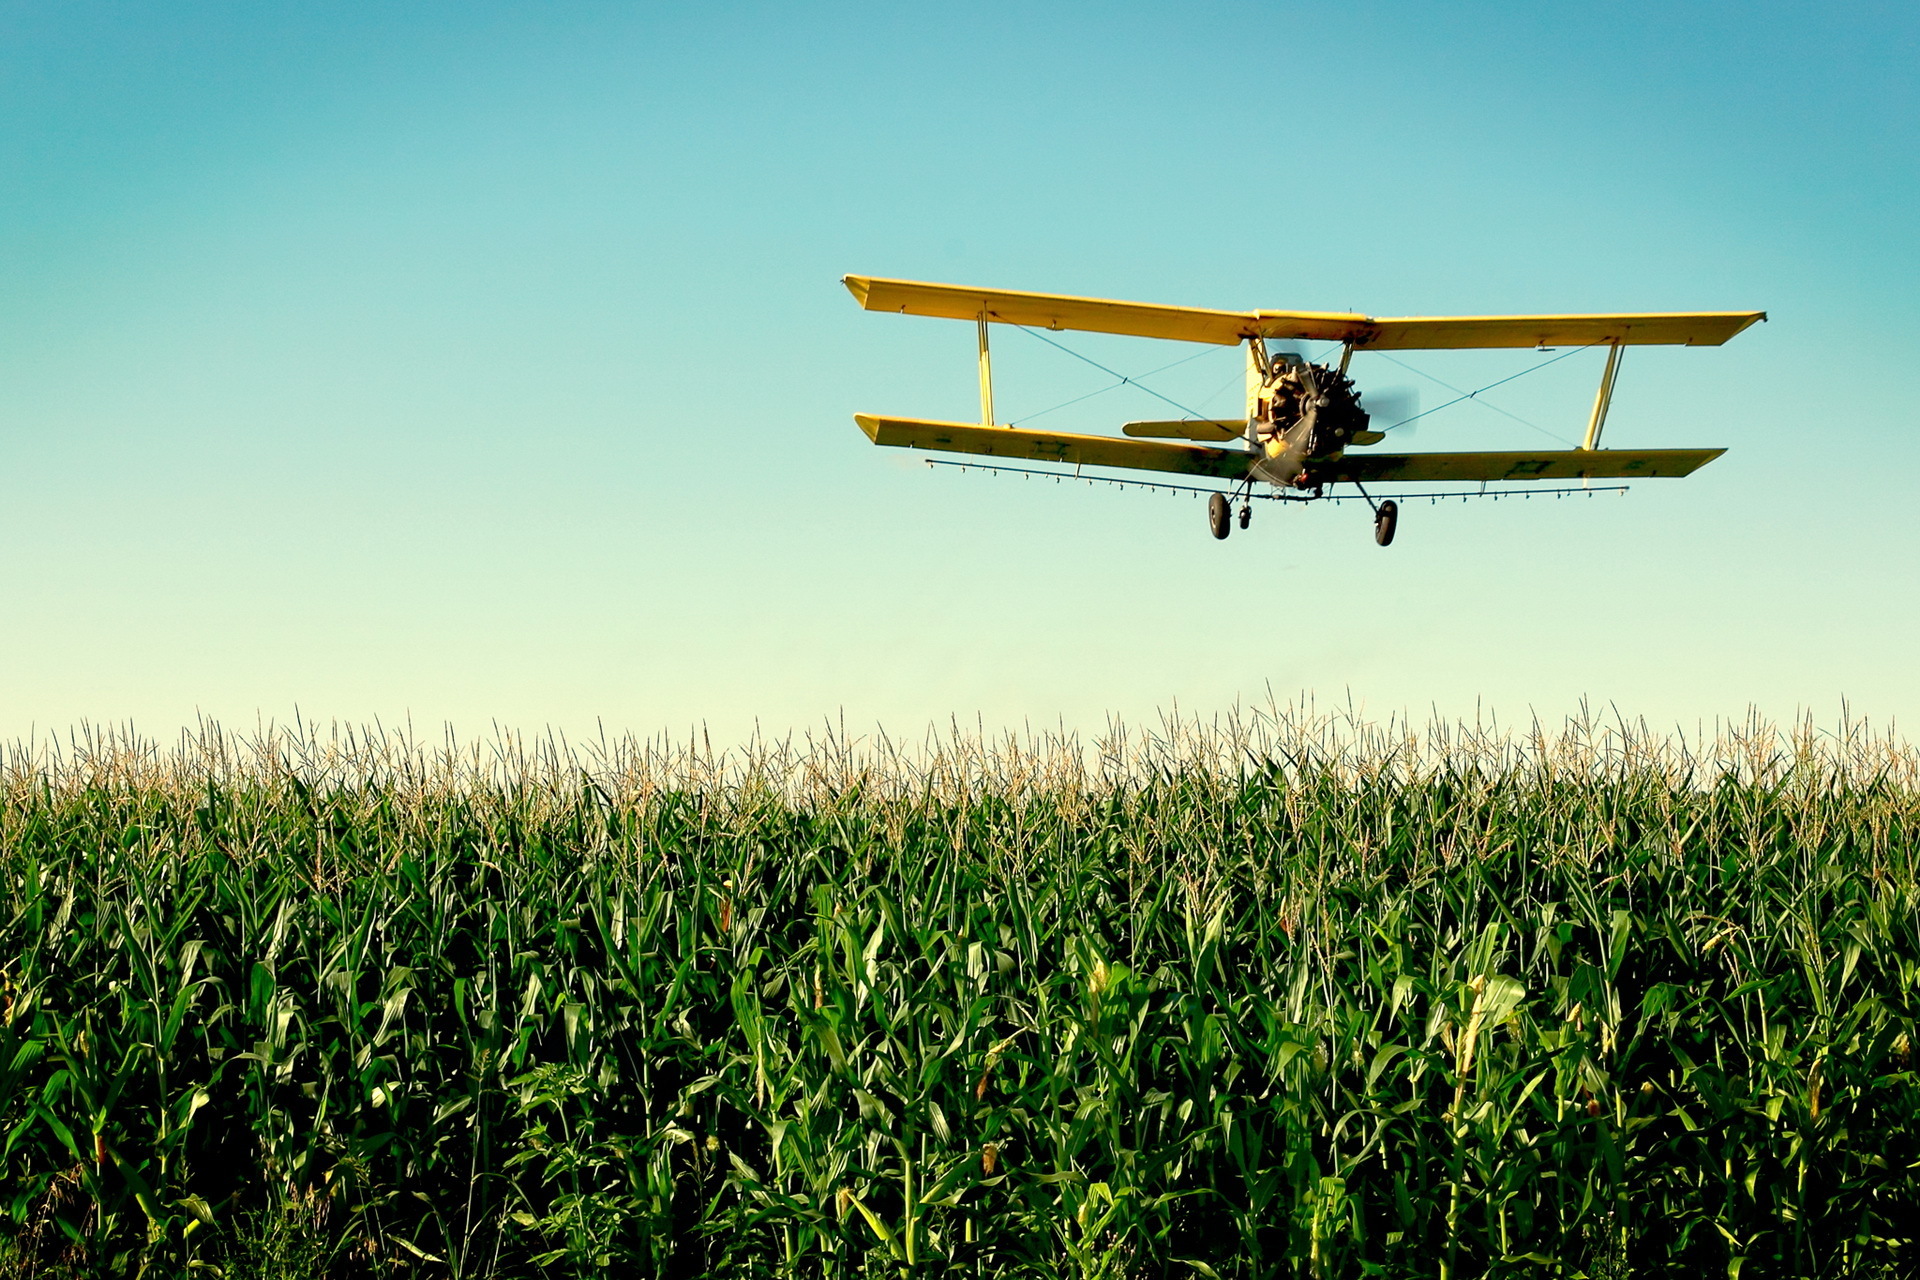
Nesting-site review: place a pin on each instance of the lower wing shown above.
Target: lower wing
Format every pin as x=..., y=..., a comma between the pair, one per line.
x=1055, y=446
x=1563, y=464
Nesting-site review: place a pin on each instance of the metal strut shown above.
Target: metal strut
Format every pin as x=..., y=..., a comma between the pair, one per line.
x=1603, y=400
x=986, y=375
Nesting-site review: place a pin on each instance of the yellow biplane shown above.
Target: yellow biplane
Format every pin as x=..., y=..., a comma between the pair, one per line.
x=1302, y=417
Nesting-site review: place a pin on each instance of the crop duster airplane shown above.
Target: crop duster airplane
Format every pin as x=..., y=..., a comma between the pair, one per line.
x=1302, y=418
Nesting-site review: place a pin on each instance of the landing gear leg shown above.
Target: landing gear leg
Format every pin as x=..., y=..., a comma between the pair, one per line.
x=1219, y=515
x=1386, y=514
x=1385, y=517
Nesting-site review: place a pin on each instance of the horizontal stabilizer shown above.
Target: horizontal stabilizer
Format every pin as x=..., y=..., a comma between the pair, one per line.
x=1196, y=324
x=1566, y=464
x=1190, y=429
x=1054, y=446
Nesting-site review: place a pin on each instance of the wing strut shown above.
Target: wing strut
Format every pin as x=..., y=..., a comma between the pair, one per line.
x=986, y=374
x=1603, y=400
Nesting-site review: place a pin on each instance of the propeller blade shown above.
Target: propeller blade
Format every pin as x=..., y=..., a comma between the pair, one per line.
x=1389, y=407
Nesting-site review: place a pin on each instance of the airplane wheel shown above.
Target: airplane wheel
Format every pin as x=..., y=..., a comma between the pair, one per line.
x=1218, y=513
x=1383, y=522
x=1246, y=514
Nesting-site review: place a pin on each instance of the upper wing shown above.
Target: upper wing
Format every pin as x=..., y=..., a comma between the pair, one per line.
x=1680, y=328
x=1563, y=464
x=1050, y=311
x=1190, y=429
x=1192, y=324
x=1054, y=446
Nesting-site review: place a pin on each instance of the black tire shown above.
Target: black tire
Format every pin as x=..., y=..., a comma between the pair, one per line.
x=1384, y=521
x=1219, y=515
x=1246, y=514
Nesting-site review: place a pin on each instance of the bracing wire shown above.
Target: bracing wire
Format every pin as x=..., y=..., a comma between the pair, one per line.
x=1123, y=380
x=1114, y=386
x=1474, y=395
x=1115, y=373
x=1211, y=395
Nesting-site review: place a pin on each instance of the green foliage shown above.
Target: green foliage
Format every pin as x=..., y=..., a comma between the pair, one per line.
x=1273, y=998
x=287, y=1241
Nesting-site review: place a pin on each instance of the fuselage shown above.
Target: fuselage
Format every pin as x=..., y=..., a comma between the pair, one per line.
x=1299, y=414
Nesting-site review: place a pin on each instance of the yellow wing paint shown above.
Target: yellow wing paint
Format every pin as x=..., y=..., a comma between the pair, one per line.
x=1569, y=464
x=1054, y=446
x=1680, y=328
x=1016, y=444
x=1051, y=311
x=1225, y=328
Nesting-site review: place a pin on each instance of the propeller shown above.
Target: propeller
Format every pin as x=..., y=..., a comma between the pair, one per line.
x=1390, y=406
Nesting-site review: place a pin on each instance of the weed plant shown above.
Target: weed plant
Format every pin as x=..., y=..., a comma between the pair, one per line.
x=1287, y=995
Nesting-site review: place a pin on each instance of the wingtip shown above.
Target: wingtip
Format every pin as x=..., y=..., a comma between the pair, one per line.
x=868, y=424
x=858, y=286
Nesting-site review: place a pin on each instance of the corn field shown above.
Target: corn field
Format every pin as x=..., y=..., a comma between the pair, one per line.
x=1282, y=995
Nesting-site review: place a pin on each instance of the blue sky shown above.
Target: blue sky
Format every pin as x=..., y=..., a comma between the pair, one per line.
x=487, y=364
